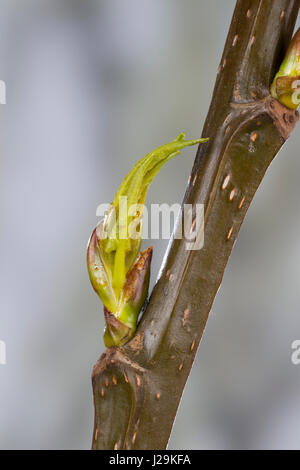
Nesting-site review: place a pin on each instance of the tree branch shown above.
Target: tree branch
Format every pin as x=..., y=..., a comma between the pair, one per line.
x=137, y=388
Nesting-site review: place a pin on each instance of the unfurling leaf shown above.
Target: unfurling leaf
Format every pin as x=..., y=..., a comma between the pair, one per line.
x=118, y=271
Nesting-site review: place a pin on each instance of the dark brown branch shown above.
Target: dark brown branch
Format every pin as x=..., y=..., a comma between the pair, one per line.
x=137, y=388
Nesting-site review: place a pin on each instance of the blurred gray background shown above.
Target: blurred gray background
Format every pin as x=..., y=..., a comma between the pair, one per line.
x=91, y=87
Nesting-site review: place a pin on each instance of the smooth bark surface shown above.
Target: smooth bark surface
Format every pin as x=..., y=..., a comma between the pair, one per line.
x=137, y=388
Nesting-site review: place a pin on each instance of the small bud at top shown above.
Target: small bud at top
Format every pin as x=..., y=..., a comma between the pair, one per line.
x=286, y=84
x=118, y=273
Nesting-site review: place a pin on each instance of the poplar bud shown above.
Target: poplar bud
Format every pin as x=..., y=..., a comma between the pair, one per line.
x=119, y=273
x=286, y=84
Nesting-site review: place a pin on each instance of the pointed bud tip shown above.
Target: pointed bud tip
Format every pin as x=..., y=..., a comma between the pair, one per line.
x=145, y=258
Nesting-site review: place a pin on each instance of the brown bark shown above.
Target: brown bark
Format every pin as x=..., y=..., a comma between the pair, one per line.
x=137, y=388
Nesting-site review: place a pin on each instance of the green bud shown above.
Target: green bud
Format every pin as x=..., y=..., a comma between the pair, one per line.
x=286, y=84
x=118, y=271
x=119, y=329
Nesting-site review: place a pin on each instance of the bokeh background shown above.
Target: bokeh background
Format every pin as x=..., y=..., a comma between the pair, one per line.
x=91, y=87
